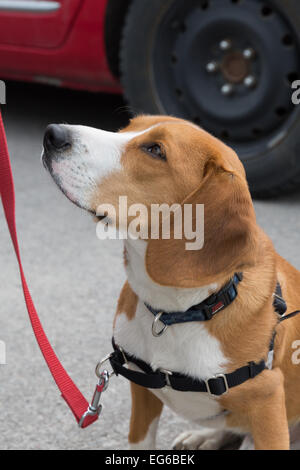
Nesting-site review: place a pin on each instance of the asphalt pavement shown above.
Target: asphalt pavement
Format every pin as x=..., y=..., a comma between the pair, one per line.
x=75, y=280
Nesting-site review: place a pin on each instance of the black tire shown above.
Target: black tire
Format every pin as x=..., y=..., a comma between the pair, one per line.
x=271, y=157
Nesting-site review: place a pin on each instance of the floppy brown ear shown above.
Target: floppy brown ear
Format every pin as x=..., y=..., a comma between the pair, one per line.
x=229, y=234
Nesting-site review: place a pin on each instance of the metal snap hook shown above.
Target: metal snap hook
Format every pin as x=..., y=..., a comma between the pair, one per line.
x=95, y=408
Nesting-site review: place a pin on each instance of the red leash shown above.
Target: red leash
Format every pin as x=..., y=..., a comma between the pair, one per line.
x=72, y=395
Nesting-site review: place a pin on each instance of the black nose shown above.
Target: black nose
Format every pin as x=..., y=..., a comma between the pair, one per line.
x=56, y=138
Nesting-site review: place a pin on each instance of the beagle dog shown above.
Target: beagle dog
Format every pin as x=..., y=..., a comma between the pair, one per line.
x=165, y=160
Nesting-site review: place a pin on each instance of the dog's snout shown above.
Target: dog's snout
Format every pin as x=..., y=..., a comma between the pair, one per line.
x=56, y=138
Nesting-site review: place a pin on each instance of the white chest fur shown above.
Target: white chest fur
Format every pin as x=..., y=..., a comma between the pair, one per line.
x=187, y=348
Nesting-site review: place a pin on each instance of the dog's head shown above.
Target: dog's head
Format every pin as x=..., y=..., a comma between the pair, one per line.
x=161, y=160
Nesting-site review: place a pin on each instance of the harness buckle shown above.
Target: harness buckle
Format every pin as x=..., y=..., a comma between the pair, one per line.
x=217, y=376
x=95, y=408
x=221, y=300
x=230, y=293
x=211, y=310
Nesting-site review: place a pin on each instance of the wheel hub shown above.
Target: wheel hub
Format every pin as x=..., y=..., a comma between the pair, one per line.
x=235, y=67
x=231, y=62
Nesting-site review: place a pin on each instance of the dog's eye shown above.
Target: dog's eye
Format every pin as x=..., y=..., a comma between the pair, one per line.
x=155, y=150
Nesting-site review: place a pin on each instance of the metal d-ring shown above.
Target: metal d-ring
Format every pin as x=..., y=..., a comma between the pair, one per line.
x=155, y=321
x=98, y=372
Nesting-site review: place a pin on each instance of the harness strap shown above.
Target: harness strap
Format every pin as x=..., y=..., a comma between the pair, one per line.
x=205, y=310
x=278, y=302
x=72, y=395
x=280, y=307
x=215, y=386
x=290, y=315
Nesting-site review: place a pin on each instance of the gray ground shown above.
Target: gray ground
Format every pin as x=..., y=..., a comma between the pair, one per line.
x=74, y=280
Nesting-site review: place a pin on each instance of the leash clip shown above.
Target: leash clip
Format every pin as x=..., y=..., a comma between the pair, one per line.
x=95, y=408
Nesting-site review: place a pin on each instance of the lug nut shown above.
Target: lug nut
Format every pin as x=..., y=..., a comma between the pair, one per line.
x=250, y=81
x=249, y=53
x=212, y=67
x=225, y=44
x=227, y=89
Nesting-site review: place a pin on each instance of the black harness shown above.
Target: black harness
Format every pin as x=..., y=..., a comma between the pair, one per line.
x=214, y=386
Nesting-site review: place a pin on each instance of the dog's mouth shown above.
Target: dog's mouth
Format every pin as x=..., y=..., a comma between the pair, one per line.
x=100, y=218
x=48, y=165
x=44, y=160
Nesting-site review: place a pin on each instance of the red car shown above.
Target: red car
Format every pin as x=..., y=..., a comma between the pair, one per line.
x=231, y=66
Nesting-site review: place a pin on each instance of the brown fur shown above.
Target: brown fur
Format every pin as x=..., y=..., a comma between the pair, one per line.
x=127, y=303
x=145, y=408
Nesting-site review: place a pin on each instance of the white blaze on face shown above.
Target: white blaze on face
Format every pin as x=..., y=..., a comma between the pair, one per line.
x=94, y=155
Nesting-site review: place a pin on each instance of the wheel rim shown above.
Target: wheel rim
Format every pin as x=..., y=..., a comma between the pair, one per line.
x=228, y=66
